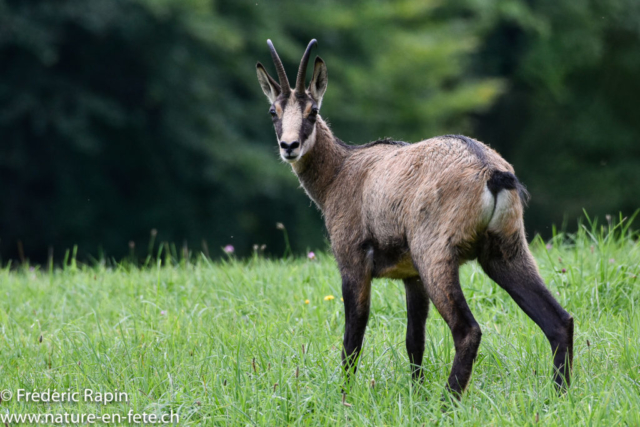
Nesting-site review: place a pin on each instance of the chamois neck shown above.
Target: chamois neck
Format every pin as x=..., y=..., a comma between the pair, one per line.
x=319, y=166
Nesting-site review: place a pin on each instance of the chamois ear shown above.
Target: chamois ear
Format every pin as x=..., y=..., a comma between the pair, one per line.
x=319, y=80
x=269, y=86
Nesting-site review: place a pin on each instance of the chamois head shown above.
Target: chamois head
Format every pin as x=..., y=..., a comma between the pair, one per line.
x=294, y=110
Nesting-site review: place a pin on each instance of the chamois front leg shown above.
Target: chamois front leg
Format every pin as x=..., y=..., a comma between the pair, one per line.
x=439, y=272
x=417, y=311
x=356, y=293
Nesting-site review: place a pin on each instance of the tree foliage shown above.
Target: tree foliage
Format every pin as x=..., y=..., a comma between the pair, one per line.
x=569, y=119
x=122, y=116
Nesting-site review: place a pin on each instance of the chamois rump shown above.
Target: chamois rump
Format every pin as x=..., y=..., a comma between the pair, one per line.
x=414, y=212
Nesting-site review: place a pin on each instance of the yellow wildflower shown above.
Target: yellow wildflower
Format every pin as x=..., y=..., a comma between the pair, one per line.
x=306, y=301
x=329, y=297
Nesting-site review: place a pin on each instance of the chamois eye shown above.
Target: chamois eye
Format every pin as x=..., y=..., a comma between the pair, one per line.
x=272, y=111
x=314, y=110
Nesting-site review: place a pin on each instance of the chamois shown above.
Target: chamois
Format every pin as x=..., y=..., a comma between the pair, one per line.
x=414, y=212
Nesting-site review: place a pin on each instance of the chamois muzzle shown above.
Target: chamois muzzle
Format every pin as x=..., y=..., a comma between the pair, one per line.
x=290, y=150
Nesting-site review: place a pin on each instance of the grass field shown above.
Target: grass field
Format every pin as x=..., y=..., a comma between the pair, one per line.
x=235, y=343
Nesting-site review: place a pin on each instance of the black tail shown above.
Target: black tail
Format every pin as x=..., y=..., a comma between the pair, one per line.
x=507, y=181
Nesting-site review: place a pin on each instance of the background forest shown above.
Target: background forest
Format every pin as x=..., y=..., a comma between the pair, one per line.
x=119, y=117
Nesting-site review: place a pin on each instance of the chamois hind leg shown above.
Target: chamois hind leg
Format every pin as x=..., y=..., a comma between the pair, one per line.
x=439, y=272
x=356, y=293
x=508, y=261
x=417, y=311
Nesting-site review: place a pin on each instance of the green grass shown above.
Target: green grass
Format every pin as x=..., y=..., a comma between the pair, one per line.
x=234, y=343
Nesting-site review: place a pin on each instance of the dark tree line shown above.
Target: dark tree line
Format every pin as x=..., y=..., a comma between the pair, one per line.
x=122, y=116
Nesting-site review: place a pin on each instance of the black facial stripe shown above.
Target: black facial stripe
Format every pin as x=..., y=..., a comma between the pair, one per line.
x=307, y=122
x=306, y=129
x=277, y=124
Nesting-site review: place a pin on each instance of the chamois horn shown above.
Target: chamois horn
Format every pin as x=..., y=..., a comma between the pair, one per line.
x=282, y=76
x=302, y=71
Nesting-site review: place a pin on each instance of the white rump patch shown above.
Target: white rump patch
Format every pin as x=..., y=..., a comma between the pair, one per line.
x=488, y=205
x=495, y=209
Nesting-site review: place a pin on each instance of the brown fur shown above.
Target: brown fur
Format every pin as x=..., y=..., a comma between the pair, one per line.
x=420, y=195
x=417, y=212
